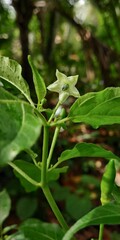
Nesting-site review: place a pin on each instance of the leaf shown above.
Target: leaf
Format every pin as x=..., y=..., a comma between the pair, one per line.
x=39, y=84
x=54, y=174
x=26, y=207
x=60, y=193
x=17, y=236
x=87, y=150
x=116, y=193
x=97, y=108
x=107, y=214
x=31, y=170
x=10, y=71
x=35, y=173
x=90, y=180
x=34, y=229
x=77, y=207
x=5, y=205
x=5, y=95
x=19, y=128
x=9, y=228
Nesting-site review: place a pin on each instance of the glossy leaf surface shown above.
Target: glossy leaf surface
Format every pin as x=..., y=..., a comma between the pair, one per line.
x=19, y=128
x=10, y=71
x=5, y=205
x=87, y=150
x=97, y=108
x=107, y=214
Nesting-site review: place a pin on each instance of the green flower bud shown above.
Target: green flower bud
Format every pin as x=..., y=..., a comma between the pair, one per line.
x=107, y=182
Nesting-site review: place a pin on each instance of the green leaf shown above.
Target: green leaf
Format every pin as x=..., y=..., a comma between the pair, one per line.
x=5, y=205
x=17, y=236
x=54, y=174
x=9, y=228
x=39, y=84
x=116, y=193
x=87, y=180
x=26, y=207
x=34, y=229
x=35, y=173
x=97, y=108
x=5, y=95
x=78, y=207
x=31, y=170
x=10, y=71
x=87, y=150
x=107, y=214
x=19, y=128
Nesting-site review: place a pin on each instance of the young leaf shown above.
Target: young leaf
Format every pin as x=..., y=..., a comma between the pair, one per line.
x=97, y=108
x=107, y=214
x=5, y=205
x=10, y=71
x=19, y=128
x=39, y=84
x=34, y=229
x=87, y=150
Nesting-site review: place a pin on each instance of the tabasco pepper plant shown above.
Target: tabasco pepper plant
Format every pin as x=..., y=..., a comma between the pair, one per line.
x=22, y=122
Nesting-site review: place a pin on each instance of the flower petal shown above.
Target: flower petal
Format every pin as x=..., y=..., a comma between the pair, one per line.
x=73, y=80
x=55, y=87
x=61, y=77
x=74, y=92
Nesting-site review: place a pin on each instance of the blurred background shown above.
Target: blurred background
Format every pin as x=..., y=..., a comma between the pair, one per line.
x=77, y=37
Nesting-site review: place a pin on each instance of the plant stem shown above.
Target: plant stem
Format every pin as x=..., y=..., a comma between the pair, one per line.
x=101, y=232
x=55, y=208
x=54, y=111
x=45, y=188
x=24, y=175
x=60, y=122
x=53, y=145
x=44, y=157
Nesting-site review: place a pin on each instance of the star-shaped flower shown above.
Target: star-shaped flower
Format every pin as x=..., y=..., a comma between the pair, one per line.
x=65, y=86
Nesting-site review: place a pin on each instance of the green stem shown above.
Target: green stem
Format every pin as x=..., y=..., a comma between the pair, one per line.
x=33, y=156
x=54, y=111
x=44, y=157
x=101, y=232
x=53, y=145
x=60, y=122
x=24, y=175
x=55, y=165
x=45, y=188
x=55, y=208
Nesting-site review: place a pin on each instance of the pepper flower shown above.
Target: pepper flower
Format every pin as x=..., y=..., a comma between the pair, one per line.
x=65, y=86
